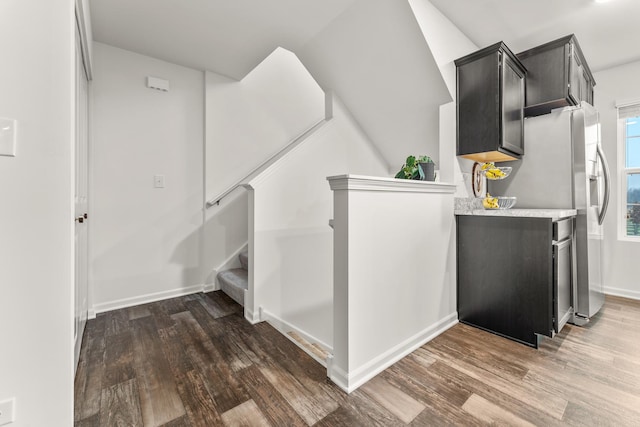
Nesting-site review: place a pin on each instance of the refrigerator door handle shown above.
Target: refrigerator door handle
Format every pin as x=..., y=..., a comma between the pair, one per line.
x=607, y=184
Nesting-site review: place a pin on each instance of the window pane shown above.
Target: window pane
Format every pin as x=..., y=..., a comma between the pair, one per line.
x=633, y=126
x=632, y=142
x=632, y=150
x=633, y=204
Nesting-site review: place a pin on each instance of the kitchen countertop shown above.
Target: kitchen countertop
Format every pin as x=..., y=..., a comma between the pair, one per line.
x=554, y=214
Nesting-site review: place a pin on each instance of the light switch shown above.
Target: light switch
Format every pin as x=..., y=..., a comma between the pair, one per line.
x=7, y=413
x=158, y=181
x=7, y=137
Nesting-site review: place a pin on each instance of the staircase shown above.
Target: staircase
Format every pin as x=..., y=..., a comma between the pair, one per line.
x=235, y=282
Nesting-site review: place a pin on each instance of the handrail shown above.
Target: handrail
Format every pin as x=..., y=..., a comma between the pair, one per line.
x=290, y=146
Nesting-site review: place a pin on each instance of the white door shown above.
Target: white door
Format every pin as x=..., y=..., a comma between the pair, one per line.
x=81, y=187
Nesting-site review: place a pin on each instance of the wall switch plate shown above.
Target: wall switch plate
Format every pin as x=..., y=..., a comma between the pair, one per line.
x=7, y=137
x=158, y=181
x=7, y=411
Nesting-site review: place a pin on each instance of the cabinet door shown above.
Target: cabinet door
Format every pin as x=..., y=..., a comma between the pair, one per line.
x=547, y=78
x=505, y=275
x=512, y=106
x=587, y=93
x=576, y=75
x=562, y=279
x=478, y=105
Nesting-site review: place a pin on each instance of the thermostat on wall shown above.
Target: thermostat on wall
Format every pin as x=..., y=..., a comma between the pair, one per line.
x=7, y=137
x=158, y=83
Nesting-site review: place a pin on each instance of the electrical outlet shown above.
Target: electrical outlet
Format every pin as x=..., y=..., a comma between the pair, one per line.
x=7, y=412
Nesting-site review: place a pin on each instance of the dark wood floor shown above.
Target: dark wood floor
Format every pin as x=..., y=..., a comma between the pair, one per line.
x=194, y=361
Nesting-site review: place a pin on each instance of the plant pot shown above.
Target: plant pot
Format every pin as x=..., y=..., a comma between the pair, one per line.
x=428, y=171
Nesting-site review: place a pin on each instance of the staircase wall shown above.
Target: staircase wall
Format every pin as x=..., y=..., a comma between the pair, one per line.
x=291, y=255
x=374, y=56
x=247, y=122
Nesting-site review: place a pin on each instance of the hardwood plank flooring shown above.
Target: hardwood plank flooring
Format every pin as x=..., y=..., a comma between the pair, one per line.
x=245, y=414
x=194, y=361
x=159, y=399
x=120, y=405
x=396, y=401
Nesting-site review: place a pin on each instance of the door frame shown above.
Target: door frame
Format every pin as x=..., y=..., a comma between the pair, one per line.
x=83, y=46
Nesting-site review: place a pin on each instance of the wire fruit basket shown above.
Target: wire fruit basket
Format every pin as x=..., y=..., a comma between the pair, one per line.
x=499, y=202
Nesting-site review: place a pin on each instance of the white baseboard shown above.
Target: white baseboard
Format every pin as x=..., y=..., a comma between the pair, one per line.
x=251, y=316
x=91, y=314
x=349, y=381
x=626, y=293
x=210, y=287
x=144, y=299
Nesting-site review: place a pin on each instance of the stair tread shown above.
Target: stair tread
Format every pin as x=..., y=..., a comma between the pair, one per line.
x=238, y=277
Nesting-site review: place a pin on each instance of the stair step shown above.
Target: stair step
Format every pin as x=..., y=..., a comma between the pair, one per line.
x=313, y=349
x=244, y=259
x=234, y=282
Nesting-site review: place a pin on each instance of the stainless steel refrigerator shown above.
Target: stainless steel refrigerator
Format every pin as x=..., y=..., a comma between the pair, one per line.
x=564, y=167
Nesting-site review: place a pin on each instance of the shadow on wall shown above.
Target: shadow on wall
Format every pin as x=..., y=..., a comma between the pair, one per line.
x=307, y=252
x=167, y=259
x=225, y=231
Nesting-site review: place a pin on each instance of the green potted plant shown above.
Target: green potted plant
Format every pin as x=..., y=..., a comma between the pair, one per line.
x=420, y=167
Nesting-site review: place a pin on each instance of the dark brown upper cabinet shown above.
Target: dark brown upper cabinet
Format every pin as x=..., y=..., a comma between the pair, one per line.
x=490, y=105
x=557, y=76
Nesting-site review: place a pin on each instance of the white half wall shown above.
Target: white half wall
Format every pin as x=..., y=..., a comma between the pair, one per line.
x=620, y=256
x=391, y=289
x=291, y=254
x=37, y=89
x=145, y=242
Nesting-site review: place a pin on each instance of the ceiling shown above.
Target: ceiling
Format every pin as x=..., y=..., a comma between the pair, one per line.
x=608, y=33
x=229, y=37
x=232, y=37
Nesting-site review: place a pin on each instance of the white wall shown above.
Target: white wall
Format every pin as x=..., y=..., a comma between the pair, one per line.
x=391, y=290
x=36, y=219
x=250, y=120
x=247, y=122
x=447, y=43
x=145, y=241
x=292, y=262
x=374, y=58
x=620, y=257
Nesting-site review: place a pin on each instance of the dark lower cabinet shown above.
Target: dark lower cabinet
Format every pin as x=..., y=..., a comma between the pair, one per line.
x=514, y=275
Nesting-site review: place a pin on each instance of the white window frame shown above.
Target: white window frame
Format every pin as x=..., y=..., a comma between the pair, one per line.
x=624, y=172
